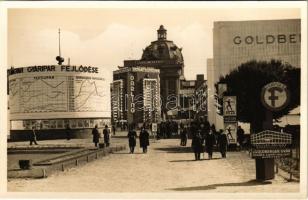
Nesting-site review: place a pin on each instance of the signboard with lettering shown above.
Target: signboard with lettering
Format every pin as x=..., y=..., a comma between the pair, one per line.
x=54, y=68
x=270, y=153
x=267, y=39
x=230, y=131
x=275, y=96
x=230, y=119
x=271, y=144
x=229, y=105
x=130, y=106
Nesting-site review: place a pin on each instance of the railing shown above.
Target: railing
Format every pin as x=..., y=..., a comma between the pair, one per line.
x=291, y=165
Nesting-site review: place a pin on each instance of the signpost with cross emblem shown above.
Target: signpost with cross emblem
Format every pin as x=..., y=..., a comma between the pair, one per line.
x=274, y=97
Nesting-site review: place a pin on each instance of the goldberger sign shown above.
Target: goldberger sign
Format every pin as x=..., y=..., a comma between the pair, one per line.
x=267, y=39
x=271, y=153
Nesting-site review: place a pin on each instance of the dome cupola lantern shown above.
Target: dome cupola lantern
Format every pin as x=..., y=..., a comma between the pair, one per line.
x=162, y=33
x=162, y=49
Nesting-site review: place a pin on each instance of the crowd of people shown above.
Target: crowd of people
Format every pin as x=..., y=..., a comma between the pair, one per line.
x=204, y=136
x=167, y=129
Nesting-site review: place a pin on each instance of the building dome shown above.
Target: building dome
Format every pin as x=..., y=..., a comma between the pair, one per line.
x=162, y=49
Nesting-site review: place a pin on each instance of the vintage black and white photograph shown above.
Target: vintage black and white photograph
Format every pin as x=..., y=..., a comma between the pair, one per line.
x=189, y=99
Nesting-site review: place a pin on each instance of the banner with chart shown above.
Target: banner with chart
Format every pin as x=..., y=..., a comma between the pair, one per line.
x=61, y=92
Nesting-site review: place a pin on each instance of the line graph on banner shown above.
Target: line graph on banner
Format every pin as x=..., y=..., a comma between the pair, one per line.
x=37, y=94
x=56, y=94
x=89, y=95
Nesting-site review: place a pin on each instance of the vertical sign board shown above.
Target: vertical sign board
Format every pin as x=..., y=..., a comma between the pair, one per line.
x=154, y=127
x=130, y=97
x=117, y=100
x=150, y=100
x=230, y=131
x=230, y=121
x=229, y=105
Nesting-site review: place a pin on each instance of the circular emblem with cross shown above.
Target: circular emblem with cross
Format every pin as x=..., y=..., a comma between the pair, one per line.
x=275, y=96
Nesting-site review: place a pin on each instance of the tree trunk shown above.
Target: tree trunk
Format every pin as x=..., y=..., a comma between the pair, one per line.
x=256, y=125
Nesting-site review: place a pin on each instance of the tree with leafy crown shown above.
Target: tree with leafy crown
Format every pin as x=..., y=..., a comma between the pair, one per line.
x=247, y=81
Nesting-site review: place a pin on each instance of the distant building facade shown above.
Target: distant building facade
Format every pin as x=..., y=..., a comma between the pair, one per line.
x=135, y=96
x=193, y=98
x=237, y=42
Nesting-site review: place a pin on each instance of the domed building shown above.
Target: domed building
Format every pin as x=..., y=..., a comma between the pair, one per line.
x=166, y=56
x=163, y=49
x=175, y=91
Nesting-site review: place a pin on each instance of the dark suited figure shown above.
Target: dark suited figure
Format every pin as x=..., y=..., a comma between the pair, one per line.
x=222, y=143
x=196, y=144
x=144, y=139
x=209, y=143
x=183, y=135
x=240, y=136
x=132, y=135
x=113, y=129
x=163, y=130
x=168, y=129
x=95, y=134
x=33, y=136
x=106, y=133
x=68, y=132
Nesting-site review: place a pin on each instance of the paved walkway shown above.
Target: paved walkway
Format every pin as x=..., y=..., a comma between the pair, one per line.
x=167, y=167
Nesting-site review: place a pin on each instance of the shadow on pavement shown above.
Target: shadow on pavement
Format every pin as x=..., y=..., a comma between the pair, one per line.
x=128, y=153
x=119, y=136
x=175, y=149
x=183, y=160
x=214, y=186
x=194, y=160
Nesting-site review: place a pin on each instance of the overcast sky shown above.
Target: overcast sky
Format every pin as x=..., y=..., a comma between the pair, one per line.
x=105, y=37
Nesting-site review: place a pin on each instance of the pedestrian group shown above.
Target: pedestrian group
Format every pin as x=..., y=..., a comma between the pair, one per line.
x=204, y=137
